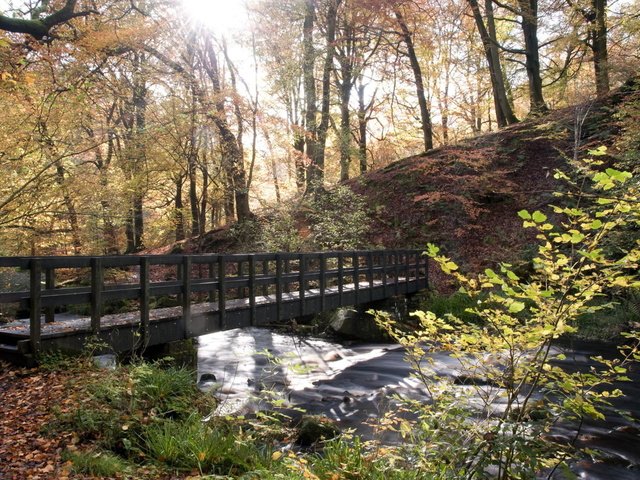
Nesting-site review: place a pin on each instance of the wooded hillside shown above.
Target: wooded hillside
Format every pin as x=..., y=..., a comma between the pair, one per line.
x=135, y=124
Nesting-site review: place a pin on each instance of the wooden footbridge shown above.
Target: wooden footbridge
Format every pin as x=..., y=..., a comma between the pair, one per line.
x=206, y=293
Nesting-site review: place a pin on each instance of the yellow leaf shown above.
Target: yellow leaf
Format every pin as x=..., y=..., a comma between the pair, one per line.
x=29, y=79
x=276, y=456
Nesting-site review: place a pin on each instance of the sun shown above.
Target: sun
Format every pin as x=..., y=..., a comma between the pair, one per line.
x=221, y=16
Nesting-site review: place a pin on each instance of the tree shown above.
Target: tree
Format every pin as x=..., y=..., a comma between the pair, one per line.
x=425, y=115
x=595, y=15
x=315, y=173
x=356, y=46
x=39, y=26
x=487, y=32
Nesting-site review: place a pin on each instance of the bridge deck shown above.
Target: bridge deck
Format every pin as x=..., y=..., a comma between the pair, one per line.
x=240, y=294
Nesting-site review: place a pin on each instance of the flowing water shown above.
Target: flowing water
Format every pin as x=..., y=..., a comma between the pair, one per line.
x=354, y=383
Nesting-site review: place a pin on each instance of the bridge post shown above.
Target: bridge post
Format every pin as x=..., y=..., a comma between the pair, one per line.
x=370, y=274
x=426, y=272
x=396, y=262
x=186, y=296
x=252, y=289
x=341, y=278
x=50, y=284
x=222, y=272
x=35, y=305
x=302, y=281
x=265, y=272
x=323, y=281
x=356, y=275
x=287, y=270
x=407, y=268
x=212, y=275
x=384, y=273
x=278, y=286
x=97, y=281
x=144, y=301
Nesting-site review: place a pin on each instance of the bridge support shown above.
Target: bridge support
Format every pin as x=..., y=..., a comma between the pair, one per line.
x=184, y=353
x=356, y=323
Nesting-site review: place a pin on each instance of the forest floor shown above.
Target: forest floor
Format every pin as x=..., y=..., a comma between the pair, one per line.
x=465, y=197
x=28, y=397
x=31, y=399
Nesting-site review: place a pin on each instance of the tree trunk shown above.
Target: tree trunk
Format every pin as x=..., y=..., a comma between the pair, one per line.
x=345, y=56
x=231, y=151
x=178, y=209
x=298, y=152
x=311, y=107
x=139, y=103
x=71, y=209
x=362, y=128
x=529, y=13
x=204, y=199
x=315, y=175
x=504, y=111
x=109, y=233
x=72, y=215
x=425, y=116
x=599, y=47
x=345, y=122
x=192, y=166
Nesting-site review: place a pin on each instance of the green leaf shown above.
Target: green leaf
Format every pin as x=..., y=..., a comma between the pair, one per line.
x=512, y=276
x=432, y=250
x=516, y=307
x=596, y=224
x=539, y=217
x=577, y=237
x=598, y=152
x=524, y=215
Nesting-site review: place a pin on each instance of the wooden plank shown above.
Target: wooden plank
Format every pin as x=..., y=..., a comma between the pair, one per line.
x=341, y=278
x=145, y=300
x=35, y=289
x=50, y=284
x=97, y=285
x=356, y=275
x=384, y=273
x=302, y=282
x=265, y=273
x=406, y=269
x=180, y=278
x=185, y=321
x=252, y=290
x=278, y=287
x=323, y=282
x=212, y=275
x=370, y=274
x=396, y=257
x=240, y=291
x=287, y=271
x=222, y=294
x=426, y=272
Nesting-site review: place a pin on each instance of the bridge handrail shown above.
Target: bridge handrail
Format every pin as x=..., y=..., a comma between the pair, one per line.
x=250, y=275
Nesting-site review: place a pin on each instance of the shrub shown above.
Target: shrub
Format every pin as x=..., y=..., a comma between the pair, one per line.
x=208, y=447
x=280, y=231
x=96, y=463
x=339, y=219
x=507, y=355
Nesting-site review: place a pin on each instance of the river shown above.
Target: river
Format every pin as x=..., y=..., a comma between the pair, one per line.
x=353, y=385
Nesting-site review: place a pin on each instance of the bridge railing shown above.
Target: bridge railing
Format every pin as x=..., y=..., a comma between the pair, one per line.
x=218, y=279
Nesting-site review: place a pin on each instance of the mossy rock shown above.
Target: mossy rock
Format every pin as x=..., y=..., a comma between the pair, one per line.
x=314, y=429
